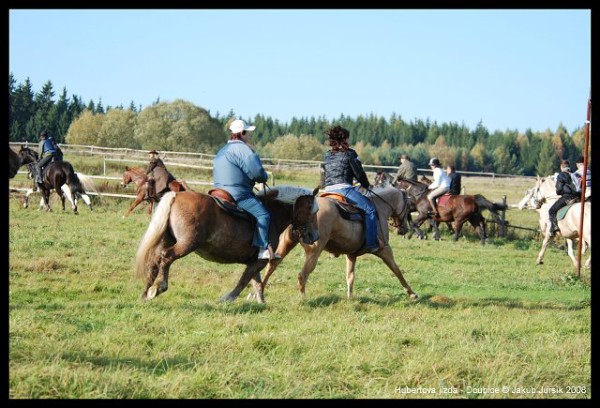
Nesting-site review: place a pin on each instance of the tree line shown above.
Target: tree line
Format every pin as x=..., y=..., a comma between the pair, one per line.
x=180, y=125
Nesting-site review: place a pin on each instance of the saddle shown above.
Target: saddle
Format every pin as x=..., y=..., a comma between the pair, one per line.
x=564, y=210
x=229, y=205
x=346, y=209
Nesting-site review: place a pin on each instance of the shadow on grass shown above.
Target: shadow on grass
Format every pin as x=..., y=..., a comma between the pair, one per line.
x=440, y=301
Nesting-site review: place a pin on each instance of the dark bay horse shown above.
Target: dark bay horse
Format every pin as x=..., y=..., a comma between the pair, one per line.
x=58, y=176
x=188, y=221
x=137, y=175
x=456, y=208
x=14, y=162
x=338, y=235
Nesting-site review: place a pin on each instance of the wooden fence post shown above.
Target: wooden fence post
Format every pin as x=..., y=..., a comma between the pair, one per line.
x=503, y=218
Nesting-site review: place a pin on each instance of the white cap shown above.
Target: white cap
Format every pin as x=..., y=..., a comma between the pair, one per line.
x=238, y=126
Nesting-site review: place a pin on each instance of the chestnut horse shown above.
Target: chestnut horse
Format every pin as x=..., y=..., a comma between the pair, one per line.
x=342, y=236
x=188, y=221
x=137, y=175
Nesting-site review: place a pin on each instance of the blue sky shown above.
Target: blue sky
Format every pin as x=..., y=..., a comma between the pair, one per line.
x=510, y=69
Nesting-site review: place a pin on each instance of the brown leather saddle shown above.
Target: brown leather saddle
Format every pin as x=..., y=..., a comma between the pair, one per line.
x=229, y=205
x=346, y=209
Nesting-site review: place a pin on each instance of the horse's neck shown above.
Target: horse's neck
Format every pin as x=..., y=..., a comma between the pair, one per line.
x=384, y=202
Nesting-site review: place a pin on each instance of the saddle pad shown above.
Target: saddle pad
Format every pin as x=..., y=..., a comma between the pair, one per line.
x=563, y=211
x=334, y=196
x=443, y=199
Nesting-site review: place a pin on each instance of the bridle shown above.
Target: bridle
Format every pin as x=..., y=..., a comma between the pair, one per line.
x=396, y=223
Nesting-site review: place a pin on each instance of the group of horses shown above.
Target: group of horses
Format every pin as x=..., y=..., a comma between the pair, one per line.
x=214, y=228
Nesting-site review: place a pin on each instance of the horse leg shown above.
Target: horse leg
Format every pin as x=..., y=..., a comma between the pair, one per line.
x=350, y=267
x=436, y=229
x=158, y=281
x=68, y=192
x=570, y=251
x=26, y=200
x=252, y=271
x=286, y=244
x=478, y=222
x=547, y=237
x=136, y=202
x=458, y=224
x=387, y=256
x=311, y=252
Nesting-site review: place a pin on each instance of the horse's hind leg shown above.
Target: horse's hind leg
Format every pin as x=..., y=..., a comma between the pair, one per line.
x=159, y=280
x=350, y=268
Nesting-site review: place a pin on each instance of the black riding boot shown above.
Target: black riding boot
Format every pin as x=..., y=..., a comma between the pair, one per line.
x=553, y=227
x=38, y=176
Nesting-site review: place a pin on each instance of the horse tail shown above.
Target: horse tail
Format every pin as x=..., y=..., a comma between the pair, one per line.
x=485, y=204
x=87, y=182
x=155, y=231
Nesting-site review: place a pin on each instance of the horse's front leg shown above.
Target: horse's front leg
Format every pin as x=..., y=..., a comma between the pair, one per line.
x=137, y=200
x=350, y=268
x=387, y=255
x=26, y=199
x=252, y=271
x=311, y=253
x=547, y=238
x=286, y=244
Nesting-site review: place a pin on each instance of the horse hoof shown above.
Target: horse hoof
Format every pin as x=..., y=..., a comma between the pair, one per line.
x=152, y=291
x=414, y=297
x=227, y=298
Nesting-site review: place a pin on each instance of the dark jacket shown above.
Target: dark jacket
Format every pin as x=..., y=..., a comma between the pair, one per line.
x=343, y=167
x=455, y=184
x=565, y=186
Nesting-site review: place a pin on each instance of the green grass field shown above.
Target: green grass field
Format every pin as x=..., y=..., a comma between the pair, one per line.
x=490, y=324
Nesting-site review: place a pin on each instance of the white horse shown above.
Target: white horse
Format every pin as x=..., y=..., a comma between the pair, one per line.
x=541, y=197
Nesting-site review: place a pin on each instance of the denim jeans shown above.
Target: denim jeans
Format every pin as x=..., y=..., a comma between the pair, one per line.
x=365, y=204
x=253, y=205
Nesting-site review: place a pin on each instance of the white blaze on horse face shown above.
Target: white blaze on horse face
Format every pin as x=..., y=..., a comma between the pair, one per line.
x=525, y=200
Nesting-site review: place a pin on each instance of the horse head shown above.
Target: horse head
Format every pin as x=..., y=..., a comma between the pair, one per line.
x=392, y=203
x=304, y=210
x=382, y=179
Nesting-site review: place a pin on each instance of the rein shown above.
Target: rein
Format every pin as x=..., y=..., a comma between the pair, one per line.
x=395, y=215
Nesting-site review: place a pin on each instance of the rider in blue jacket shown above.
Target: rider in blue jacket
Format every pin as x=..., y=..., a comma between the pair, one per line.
x=236, y=169
x=49, y=151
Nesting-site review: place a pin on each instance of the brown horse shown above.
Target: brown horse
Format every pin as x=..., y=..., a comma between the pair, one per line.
x=14, y=162
x=341, y=236
x=456, y=208
x=188, y=221
x=137, y=175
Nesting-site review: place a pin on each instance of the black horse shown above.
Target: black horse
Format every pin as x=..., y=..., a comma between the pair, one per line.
x=58, y=176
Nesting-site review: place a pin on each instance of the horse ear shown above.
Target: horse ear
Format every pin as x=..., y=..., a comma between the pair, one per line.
x=315, y=191
x=126, y=168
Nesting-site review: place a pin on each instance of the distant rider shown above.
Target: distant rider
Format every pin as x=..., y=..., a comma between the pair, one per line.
x=49, y=151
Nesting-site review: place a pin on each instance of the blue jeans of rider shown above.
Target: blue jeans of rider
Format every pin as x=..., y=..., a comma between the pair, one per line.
x=255, y=207
x=366, y=205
